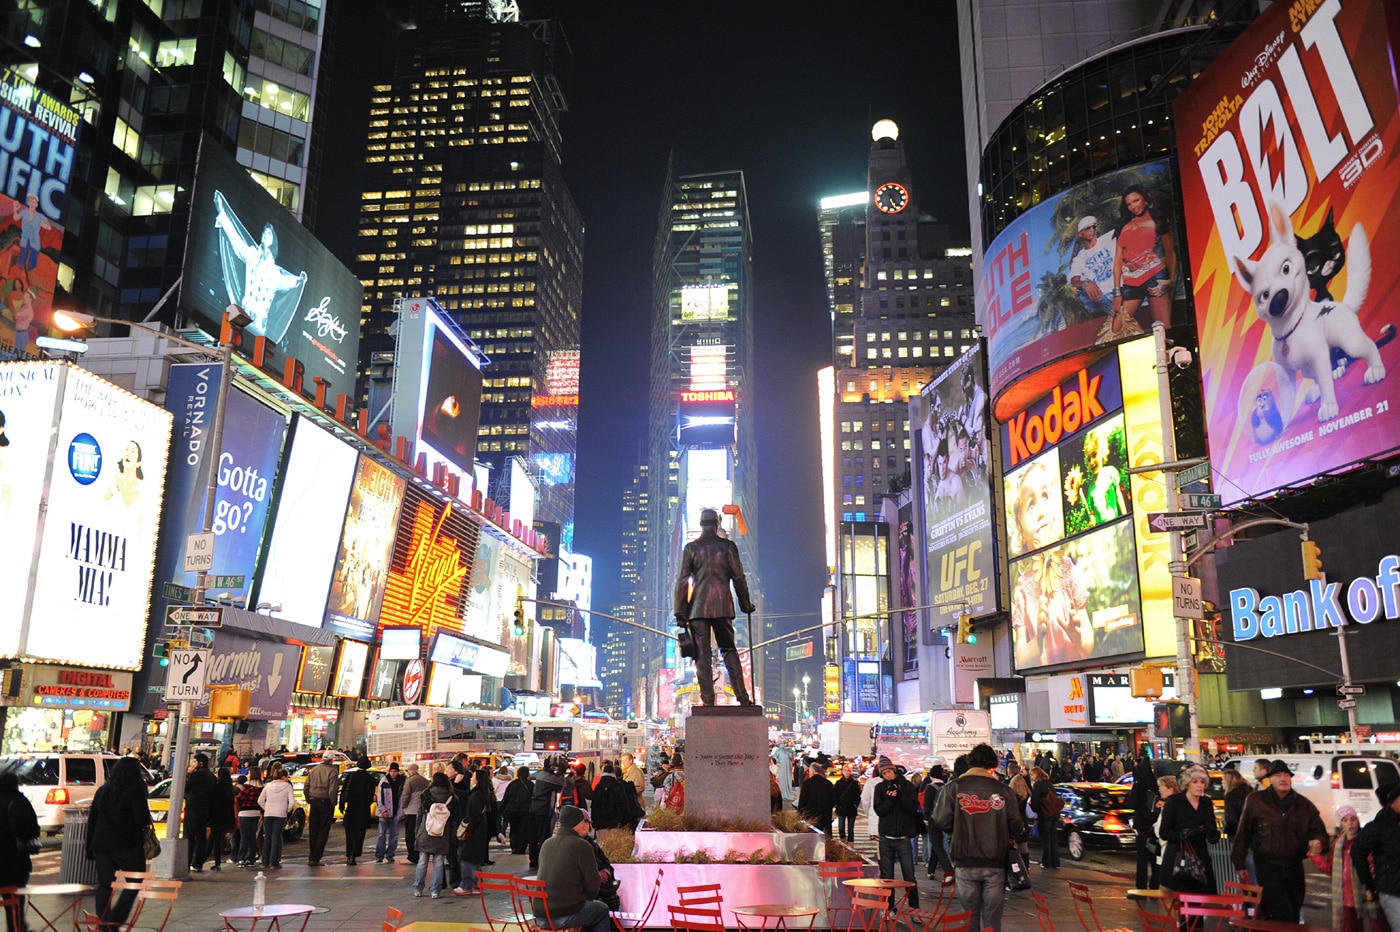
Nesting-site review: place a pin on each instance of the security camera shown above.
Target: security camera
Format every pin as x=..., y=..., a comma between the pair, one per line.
x=1179, y=356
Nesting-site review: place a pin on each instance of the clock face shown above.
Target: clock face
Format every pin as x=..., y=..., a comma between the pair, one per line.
x=891, y=197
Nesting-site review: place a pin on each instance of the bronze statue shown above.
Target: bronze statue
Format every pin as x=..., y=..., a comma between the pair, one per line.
x=708, y=565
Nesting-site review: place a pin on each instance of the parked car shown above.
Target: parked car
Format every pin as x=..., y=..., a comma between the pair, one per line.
x=51, y=781
x=1096, y=815
x=298, y=779
x=158, y=798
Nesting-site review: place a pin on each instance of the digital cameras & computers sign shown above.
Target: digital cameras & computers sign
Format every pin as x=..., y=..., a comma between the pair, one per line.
x=244, y=248
x=1287, y=146
x=439, y=387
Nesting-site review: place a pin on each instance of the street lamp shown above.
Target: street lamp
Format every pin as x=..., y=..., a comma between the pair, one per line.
x=73, y=321
x=797, y=710
x=806, y=684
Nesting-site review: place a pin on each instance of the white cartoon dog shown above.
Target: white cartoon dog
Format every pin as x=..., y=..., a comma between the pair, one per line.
x=1304, y=330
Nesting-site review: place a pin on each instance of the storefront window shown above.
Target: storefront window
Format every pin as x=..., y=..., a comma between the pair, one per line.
x=28, y=730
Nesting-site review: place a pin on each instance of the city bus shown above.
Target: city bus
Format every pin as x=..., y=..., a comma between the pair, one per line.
x=416, y=733
x=590, y=742
x=637, y=736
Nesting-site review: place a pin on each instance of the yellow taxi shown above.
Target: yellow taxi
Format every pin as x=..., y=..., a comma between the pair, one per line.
x=158, y=799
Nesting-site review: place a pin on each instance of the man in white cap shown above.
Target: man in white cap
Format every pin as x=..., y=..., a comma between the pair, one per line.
x=1091, y=269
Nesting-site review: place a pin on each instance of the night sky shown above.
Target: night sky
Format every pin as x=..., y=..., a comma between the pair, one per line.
x=785, y=92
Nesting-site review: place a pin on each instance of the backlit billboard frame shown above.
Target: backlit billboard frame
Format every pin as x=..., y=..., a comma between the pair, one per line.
x=98, y=526
x=245, y=248
x=438, y=401
x=1287, y=145
x=305, y=539
x=370, y=525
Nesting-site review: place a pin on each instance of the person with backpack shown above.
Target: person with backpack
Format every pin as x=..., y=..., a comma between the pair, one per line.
x=1145, y=804
x=576, y=790
x=1047, y=804
x=543, y=801
x=614, y=802
x=673, y=789
x=436, y=806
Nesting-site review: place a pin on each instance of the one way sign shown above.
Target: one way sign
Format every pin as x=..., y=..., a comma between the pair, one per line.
x=185, y=676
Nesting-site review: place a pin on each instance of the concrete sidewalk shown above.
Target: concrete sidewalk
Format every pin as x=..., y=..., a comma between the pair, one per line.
x=354, y=898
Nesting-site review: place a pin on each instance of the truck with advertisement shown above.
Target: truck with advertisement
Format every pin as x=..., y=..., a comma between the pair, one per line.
x=918, y=740
x=850, y=736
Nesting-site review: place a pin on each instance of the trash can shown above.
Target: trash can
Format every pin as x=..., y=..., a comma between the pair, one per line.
x=74, y=866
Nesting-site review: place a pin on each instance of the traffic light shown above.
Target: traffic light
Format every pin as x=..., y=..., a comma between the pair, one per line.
x=1312, y=561
x=162, y=653
x=519, y=617
x=965, y=633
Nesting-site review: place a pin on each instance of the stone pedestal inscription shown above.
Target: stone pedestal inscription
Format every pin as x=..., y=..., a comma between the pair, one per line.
x=726, y=763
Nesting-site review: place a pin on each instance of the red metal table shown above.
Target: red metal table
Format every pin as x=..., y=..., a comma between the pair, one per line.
x=276, y=912
x=781, y=912
x=75, y=890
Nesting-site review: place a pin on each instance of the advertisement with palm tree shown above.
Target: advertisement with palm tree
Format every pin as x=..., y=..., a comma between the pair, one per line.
x=1091, y=266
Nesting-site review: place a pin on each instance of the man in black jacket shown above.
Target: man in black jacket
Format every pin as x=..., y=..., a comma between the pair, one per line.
x=984, y=816
x=897, y=804
x=847, y=804
x=708, y=565
x=817, y=798
x=1381, y=839
x=614, y=802
x=356, y=798
x=200, y=784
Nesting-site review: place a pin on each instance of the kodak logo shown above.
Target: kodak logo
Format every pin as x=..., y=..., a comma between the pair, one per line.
x=1065, y=413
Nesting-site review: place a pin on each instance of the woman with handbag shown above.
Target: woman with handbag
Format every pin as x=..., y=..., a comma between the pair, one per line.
x=19, y=838
x=1186, y=827
x=474, y=837
x=119, y=822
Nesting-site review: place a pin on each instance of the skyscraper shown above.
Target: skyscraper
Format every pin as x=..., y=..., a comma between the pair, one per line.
x=463, y=200
x=901, y=309
x=700, y=447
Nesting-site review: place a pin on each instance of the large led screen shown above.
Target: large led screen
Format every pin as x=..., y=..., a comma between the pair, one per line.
x=708, y=484
x=366, y=545
x=439, y=387
x=706, y=419
x=432, y=557
x=92, y=584
x=1292, y=191
x=28, y=410
x=1049, y=278
x=1089, y=580
x=350, y=669
x=246, y=470
x=488, y=614
x=244, y=248
x=38, y=151
x=954, y=462
x=306, y=531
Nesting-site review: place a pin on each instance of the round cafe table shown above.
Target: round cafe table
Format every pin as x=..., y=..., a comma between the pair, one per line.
x=1274, y=925
x=275, y=912
x=1144, y=895
x=777, y=911
x=75, y=891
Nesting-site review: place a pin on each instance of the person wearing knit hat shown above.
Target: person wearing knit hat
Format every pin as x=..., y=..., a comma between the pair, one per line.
x=1187, y=826
x=1280, y=827
x=1351, y=911
x=1375, y=856
x=569, y=871
x=896, y=803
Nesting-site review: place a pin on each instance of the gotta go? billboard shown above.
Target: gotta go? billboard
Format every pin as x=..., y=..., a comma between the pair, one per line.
x=1287, y=146
x=1089, y=580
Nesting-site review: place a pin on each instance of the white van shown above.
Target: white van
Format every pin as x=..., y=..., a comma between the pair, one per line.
x=1333, y=780
x=56, y=779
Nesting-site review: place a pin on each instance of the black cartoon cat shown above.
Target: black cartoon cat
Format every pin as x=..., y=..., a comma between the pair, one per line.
x=1325, y=255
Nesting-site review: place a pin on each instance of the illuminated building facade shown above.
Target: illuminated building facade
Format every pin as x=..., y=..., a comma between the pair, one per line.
x=901, y=304
x=620, y=645
x=463, y=200
x=148, y=81
x=700, y=449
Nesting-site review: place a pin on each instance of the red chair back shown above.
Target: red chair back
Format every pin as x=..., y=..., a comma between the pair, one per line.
x=1042, y=912
x=699, y=908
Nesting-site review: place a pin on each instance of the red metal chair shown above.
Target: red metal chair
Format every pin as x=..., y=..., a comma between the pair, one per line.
x=526, y=892
x=869, y=908
x=956, y=922
x=1084, y=902
x=700, y=908
x=160, y=891
x=513, y=918
x=928, y=919
x=832, y=874
x=393, y=918
x=1156, y=922
x=1250, y=892
x=626, y=921
x=1196, y=908
x=1042, y=912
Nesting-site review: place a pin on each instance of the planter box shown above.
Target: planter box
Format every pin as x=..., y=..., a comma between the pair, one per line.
x=741, y=885
x=653, y=845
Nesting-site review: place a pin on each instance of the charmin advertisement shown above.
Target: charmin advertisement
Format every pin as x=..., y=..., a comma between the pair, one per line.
x=247, y=466
x=366, y=544
x=955, y=464
x=267, y=670
x=1093, y=265
x=1292, y=193
x=38, y=149
x=244, y=248
x=302, y=551
x=28, y=411
x=98, y=543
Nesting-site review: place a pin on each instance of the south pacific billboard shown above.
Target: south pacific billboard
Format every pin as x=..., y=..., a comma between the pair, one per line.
x=1291, y=188
x=1091, y=266
x=1088, y=579
x=38, y=151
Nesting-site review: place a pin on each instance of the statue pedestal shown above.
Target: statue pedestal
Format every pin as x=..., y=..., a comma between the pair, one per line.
x=726, y=763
